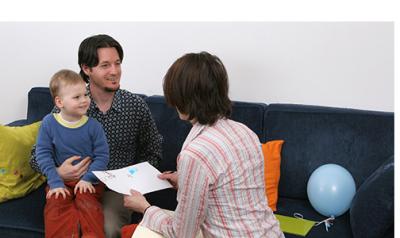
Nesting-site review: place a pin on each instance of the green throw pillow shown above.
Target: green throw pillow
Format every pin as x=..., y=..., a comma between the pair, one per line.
x=16, y=175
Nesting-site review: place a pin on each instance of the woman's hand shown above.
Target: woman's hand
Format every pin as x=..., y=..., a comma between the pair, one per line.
x=136, y=201
x=70, y=172
x=171, y=176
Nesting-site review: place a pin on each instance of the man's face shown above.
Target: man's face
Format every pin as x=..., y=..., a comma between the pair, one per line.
x=107, y=74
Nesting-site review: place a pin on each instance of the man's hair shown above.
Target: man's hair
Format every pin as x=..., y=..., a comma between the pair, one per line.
x=62, y=78
x=87, y=54
x=197, y=85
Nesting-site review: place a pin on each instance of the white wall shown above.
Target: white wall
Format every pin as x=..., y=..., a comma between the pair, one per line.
x=337, y=64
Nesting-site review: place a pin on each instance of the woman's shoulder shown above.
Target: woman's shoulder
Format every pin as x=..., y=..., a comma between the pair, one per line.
x=240, y=127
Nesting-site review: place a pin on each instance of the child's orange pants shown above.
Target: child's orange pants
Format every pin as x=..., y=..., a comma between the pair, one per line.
x=127, y=230
x=81, y=212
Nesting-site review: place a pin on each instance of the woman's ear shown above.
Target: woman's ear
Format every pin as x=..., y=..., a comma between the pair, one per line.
x=58, y=102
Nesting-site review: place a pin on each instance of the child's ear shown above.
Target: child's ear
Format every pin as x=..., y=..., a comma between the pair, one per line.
x=58, y=101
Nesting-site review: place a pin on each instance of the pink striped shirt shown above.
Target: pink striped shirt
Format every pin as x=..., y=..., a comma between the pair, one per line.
x=220, y=186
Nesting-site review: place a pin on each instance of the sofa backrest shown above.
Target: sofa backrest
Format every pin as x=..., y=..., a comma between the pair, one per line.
x=358, y=140
x=40, y=103
x=174, y=130
x=355, y=139
x=251, y=114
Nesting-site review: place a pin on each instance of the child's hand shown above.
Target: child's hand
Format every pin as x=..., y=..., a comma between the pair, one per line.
x=57, y=191
x=83, y=186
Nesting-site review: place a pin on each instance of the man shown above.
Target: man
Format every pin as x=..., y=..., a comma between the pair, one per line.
x=126, y=119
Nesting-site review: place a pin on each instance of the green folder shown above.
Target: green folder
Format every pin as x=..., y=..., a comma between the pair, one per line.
x=293, y=225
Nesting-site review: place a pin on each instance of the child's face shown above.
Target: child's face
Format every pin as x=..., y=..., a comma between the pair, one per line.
x=73, y=101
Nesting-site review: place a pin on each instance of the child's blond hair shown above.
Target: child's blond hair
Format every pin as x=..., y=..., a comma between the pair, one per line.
x=63, y=78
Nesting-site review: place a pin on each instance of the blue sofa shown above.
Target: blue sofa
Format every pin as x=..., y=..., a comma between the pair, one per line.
x=361, y=141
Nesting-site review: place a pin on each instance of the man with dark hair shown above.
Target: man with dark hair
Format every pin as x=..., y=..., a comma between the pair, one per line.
x=88, y=55
x=220, y=169
x=126, y=119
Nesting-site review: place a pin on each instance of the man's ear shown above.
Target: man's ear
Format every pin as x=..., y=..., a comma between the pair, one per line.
x=86, y=69
x=58, y=102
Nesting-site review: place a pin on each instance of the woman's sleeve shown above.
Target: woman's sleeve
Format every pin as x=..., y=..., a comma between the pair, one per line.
x=193, y=185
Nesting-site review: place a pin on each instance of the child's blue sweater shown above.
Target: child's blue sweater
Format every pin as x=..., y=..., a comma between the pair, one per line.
x=57, y=142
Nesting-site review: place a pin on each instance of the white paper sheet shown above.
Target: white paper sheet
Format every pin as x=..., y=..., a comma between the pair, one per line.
x=141, y=177
x=144, y=232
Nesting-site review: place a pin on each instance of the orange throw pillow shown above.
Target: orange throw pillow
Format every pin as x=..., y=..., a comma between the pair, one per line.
x=272, y=170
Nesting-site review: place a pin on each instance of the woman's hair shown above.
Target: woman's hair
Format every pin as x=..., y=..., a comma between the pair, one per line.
x=197, y=85
x=62, y=78
x=87, y=54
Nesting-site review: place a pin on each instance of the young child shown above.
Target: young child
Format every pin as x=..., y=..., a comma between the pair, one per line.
x=72, y=207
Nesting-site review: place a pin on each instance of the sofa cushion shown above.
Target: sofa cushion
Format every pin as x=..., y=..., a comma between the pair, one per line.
x=172, y=129
x=250, y=114
x=23, y=217
x=16, y=176
x=314, y=136
x=174, y=132
x=40, y=103
x=272, y=170
x=369, y=216
x=341, y=225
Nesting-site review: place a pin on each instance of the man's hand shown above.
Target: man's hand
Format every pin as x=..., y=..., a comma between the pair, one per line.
x=171, y=176
x=83, y=186
x=136, y=201
x=57, y=191
x=69, y=172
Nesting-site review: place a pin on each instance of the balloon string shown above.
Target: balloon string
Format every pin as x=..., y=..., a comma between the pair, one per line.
x=328, y=223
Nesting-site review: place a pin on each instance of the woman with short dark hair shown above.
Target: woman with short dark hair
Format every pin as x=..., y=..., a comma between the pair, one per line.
x=220, y=170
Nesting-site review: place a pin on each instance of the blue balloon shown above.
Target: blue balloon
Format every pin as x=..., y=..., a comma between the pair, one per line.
x=331, y=189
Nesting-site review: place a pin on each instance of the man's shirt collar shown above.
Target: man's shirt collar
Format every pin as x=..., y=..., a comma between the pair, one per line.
x=116, y=104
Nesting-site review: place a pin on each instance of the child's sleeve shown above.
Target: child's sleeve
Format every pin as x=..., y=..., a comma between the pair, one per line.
x=101, y=153
x=45, y=155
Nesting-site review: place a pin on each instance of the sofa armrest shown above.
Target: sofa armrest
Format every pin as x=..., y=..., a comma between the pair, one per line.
x=21, y=122
x=372, y=209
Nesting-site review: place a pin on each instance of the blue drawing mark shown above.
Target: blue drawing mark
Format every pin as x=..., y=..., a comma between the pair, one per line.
x=132, y=171
x=3, y=171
